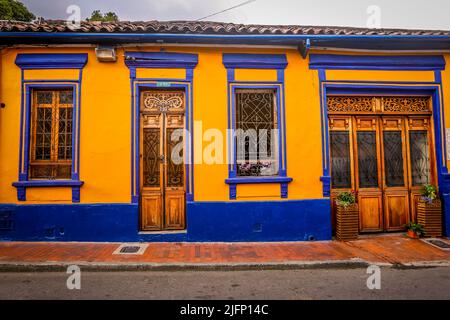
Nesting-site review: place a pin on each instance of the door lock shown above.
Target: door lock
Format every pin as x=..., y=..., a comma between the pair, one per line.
x=162, y=158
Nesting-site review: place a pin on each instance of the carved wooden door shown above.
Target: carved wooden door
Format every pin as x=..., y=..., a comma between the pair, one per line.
x=382, y=147
x=162, y=205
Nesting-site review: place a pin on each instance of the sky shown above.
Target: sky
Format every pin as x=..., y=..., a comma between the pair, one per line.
x=410, y=14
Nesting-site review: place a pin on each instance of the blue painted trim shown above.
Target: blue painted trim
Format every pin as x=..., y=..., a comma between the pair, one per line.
x=255, y=180
x=359, y=62
x=254, y=61
x=400, y=42
x=160, y=60
x=325, y=178
x=232, y=167
x=48, y=183
x=137, y=85
x=51, y=60
x=24, y=182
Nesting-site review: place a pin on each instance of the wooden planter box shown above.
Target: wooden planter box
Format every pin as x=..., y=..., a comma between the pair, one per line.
x=347, y=222
x=429, y=215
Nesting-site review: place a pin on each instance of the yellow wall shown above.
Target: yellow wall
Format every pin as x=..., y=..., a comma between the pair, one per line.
x=105, y=145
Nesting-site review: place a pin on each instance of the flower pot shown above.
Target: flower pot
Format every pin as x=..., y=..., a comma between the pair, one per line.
x=413, y=235
x=347, y=222
x=429, y=215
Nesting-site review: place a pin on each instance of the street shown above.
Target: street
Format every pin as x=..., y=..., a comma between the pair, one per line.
x=424, y=283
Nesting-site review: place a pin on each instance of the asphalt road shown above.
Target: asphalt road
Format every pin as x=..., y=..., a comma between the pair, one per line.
x=429, y=283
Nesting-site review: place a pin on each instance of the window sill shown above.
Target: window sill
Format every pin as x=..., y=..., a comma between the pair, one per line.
x=251, y=180
x=283, y=181
x=22, y=185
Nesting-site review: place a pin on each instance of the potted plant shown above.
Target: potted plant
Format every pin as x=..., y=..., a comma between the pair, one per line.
x=429, y=211
x=414, y=230
x=347, y=216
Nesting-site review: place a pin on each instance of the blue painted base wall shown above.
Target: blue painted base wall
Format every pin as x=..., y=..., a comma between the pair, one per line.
x=206, y=221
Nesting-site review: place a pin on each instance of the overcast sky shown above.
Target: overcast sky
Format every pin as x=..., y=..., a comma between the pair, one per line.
x=421, y=14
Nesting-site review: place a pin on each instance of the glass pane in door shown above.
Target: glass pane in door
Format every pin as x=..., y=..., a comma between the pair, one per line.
x=367, y=159
x=420, y=162
x=340, y=159
x=151, y=161
x=393, y=159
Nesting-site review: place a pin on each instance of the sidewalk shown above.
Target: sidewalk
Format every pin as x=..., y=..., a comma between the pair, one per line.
x=386, y=250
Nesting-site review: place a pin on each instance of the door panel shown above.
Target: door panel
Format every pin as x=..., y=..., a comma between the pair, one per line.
x=151, y=218
x=174, y=211
x=162, y=160
x=370, y=211
x=396, y=210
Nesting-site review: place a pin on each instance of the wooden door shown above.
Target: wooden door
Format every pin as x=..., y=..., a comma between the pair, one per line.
x=341, y=166
x=162, y=178
x=368, y=173
x=394, y=173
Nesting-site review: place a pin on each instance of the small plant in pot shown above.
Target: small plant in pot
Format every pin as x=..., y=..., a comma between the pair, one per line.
x=347, y=216
x=429, y=193
x=429, y=211
x=414, y=230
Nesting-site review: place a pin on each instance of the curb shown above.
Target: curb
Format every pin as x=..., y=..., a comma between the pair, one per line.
x=93, y=266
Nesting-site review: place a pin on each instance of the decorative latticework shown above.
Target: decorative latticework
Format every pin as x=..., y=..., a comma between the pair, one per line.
x=51, y=139
x=162, y=101
x=367, y=159
x=393, y=159
x=420, y=161
x=340, y=159
x=350, y=104
x=406, y=104
x=151, y=160
x=256, y=120
x=175, y=167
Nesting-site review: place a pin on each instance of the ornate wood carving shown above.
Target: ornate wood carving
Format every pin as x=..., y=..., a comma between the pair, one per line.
x=365, y=104
x=406, y=104
x=162, y=101
x=350, y=104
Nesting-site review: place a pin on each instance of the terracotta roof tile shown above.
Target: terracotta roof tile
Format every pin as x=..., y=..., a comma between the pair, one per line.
x=202, y=27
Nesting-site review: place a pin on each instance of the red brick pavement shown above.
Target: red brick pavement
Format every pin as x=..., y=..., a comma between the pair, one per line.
x=377, y=249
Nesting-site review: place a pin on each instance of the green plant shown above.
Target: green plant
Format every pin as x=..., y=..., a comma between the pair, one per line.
x=416, y=228
x=429, y=193
x=346, y=198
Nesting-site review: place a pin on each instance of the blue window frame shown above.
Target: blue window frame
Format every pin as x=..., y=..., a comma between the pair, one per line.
x=49, y=61
x=256, y=61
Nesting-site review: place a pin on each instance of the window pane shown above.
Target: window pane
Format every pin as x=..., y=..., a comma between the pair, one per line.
x=151, y=161
x=256, y=133
x=420, y=163
x=393, y=158
x=66, y=97
x=52, y=129
x=340, y=159
x=43, y=134
x=65, y=134
x=175, y=172
x=367, y=159
x=44, y=97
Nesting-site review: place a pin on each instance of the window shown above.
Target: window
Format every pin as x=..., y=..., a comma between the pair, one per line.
x=256, y=132
x=51, y=134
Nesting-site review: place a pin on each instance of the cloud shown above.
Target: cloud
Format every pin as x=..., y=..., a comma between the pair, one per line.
x=396, y=14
